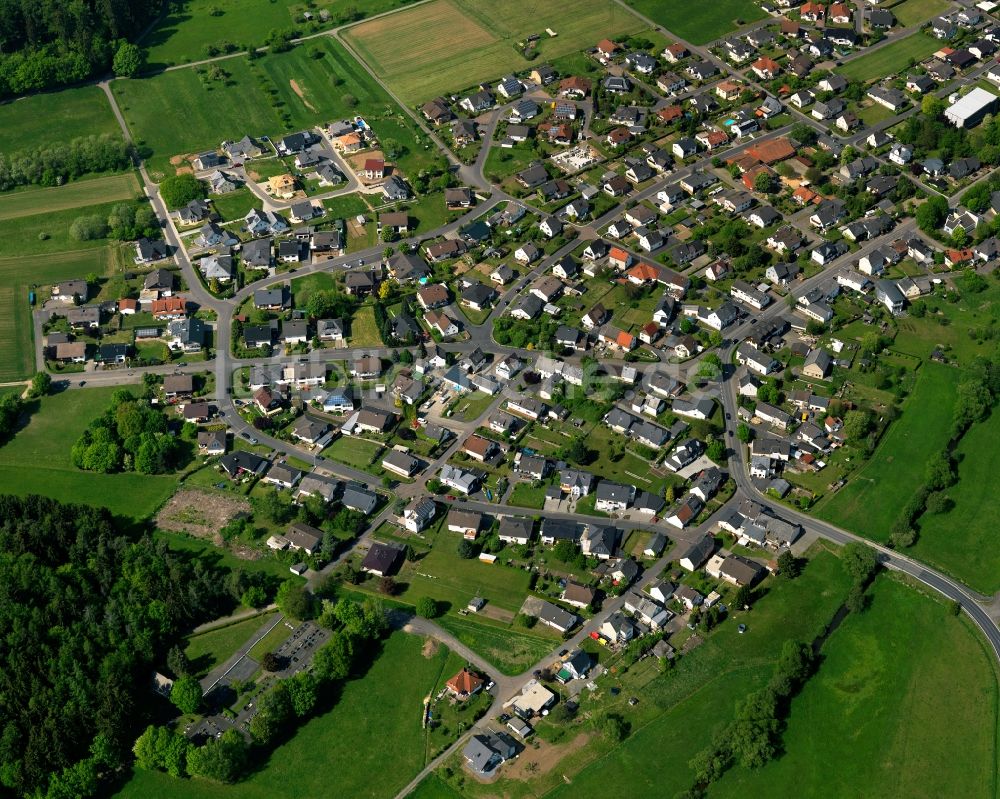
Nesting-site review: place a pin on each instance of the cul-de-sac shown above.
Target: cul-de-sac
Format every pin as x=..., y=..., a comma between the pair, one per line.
x=499, y=400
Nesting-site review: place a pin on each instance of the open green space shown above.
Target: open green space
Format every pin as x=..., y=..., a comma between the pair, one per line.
x=512, y=652
x=947, y=325
x=193, y=26
x=880, y=701
x=872, y=499
x=45, y=233
x=699, y=23
x=73, y=195
x=274, y=638
x=357, y=452
x=433, y=787
x=36, y=460
x=370, y=744
x=962, y=541
x=199, y=547
x=210, y=649
x=890, y=59
x=916, y=12
x=234, y=205
x=364, y=330
x=27, y=123
x=257, y=98
x=446, y=45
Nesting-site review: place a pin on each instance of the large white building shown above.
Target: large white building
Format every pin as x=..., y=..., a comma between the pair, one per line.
x=968, y=111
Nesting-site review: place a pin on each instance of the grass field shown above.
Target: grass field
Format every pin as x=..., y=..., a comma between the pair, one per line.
x=364, y=331
x=21, y=236
x=243, y=105
x=270, y=642
x=73, y=195
x=223, y=559
x=17, y=276
x=512, y=652
x=698, y=24
x=434, y=788
x=356, y=452
x=210, y=649
x=880, y=702
x=890, y=59
x=873, y=497
x=184, y=34
x=27, y=124
x=447, y=45
x=914, y=12
x=369, y=744
x=962, y=541
x=36, y=460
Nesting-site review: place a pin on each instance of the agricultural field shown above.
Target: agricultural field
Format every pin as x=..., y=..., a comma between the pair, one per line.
x=192, y=26
x=890, y=59
x=48, y=233
x=884, y=694
x=210, y=649
x=875, y=494
x=36, y=460
x=699, y=23
x=272, y=95
x=29, y=202
x=961, y=541
x=348, y=741
x=446, y=45
x=26, y=124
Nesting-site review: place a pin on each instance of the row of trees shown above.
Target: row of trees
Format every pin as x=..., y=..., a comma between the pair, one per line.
x=56, y=163
x=86, y=612
x=126, y=222
x=130, y=436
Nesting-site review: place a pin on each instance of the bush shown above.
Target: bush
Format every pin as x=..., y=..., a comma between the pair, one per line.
x=178, y=190
x=88, y=228
x=427, y=607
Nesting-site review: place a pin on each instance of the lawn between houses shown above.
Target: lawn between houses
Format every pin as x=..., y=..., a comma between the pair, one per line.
x=37, y=459
x=445, y=45
x=890, y=59
x=370, y=744
x=875, y=494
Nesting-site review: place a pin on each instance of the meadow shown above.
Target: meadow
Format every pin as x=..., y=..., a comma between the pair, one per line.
x=29, y=202
x=254, y=98
x=26, y=124
x=209, y=649
x=36, y=460
x=890, y=59
x=191, y=26
x=699, y=24
x=446, y=45
x=874, y=495
x=962, y=541
x=880, y=701
x=370, y=744
x=915, y=12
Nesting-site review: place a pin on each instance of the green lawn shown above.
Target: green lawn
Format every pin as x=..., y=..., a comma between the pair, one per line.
x=875, y=494
x=961, y=541
x=919, y=337
x=428, y=212
x=26, y=124
x=210, y=649
x=243, y=104
x=526, y=495
x=36, y=460
x=890, y=59
x=701, y=24
x=364, y=330
x=357, y=452
x=447, y=45
x=180, y=542
x=235, y=204
x=24, y=235
x=892, y=681
x=370, y=744
x=303, y=287
x=434, y=788
x=915, y=12
x=511, y=651
x=270, y=642
x=33, y=201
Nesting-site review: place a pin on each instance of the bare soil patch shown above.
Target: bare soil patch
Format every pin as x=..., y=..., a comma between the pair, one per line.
x=430, y=647
x=535, y=762
x=301, y=95
x=201, y=513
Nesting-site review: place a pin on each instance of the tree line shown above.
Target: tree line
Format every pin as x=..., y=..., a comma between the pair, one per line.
x=55, y=164
x=49, y=43
x=85, y=611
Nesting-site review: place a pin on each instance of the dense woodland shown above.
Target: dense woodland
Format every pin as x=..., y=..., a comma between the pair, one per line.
x=48, y=43
x=86, y=611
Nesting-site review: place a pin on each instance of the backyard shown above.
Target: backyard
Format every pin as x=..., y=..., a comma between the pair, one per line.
x=890, y=59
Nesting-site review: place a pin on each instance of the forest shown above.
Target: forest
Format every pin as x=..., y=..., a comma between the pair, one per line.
x=87, y=610
x=48, y=43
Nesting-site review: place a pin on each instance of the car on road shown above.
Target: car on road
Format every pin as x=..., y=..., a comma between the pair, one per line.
x=729, y=416
x=451, y=497
x=182, y=363
x=83, y=382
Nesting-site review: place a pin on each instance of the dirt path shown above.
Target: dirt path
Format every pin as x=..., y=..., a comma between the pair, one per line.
x=301, y=95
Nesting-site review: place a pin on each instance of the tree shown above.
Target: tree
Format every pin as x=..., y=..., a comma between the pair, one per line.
x=303, y=691
x=860, y=560
x=222, y=759
x=789, y=566
x=613, y=727
x=427, y=607
x=334, y=659
x=127, y=60
x=932, y=106
x=178, y=190
x=856, y=425
x=254, y=597
x=88, y=228
x=744, y=596
x=716, y=451
x=295, y=601
x=744, y=432
x=41, y=383
x=178, y=661
x=161, y=749
x=857, y=599
x=349, y=100
x=271, y=662
x=932, y=213
x=762, y=182
x=186, y=694
x=466, y=549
